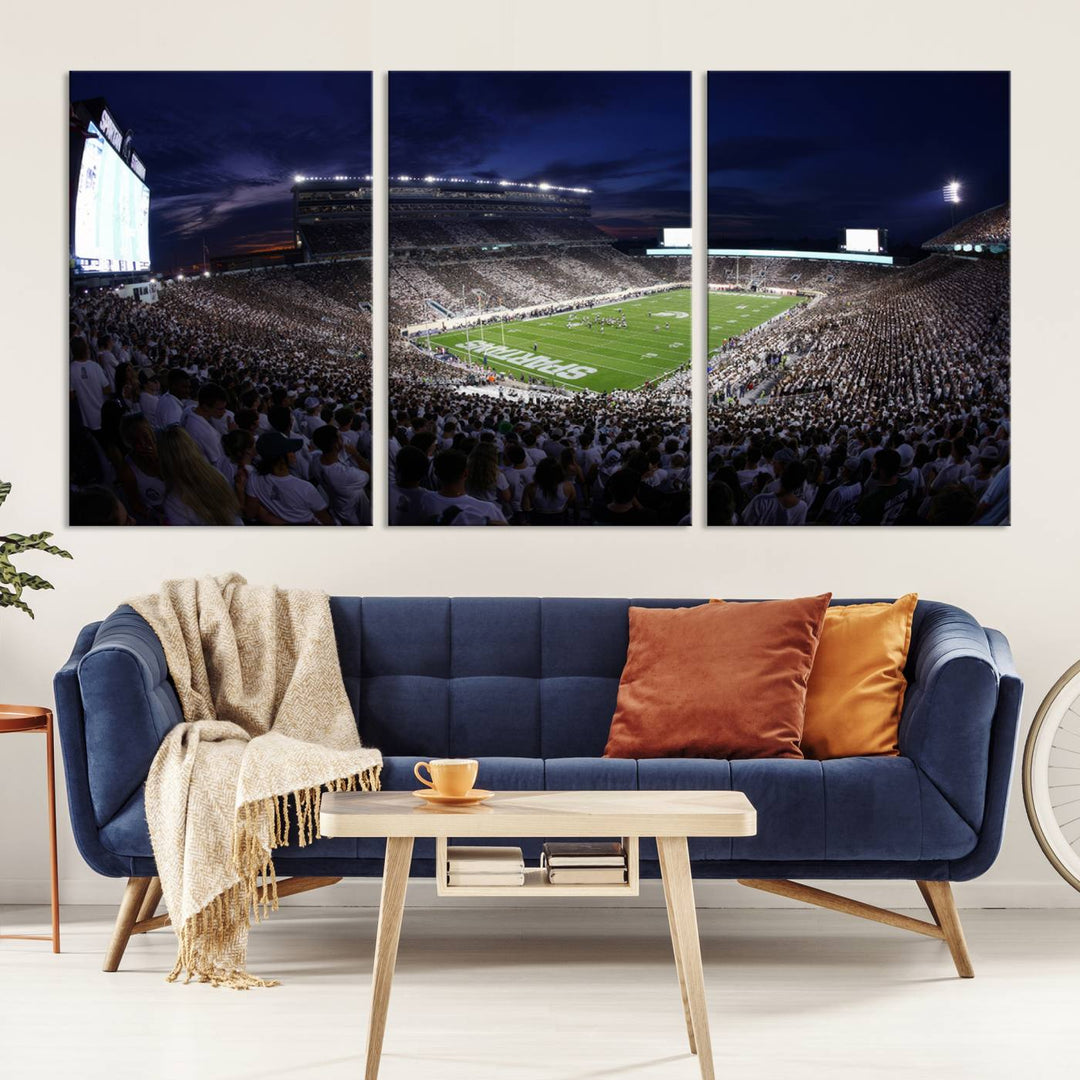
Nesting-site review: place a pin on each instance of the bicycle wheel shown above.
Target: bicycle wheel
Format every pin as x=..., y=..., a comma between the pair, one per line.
x=1052, y=776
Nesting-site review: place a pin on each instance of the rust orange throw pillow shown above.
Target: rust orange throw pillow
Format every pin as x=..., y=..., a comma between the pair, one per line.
x=857, y=687
x=718, y=680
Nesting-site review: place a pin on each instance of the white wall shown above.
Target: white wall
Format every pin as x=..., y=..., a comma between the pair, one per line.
x=1022, y=579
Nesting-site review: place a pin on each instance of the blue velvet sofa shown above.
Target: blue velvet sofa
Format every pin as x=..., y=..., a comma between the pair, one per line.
x=528, y=686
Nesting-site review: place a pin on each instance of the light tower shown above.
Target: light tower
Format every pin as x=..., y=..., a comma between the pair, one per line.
x=951, y=192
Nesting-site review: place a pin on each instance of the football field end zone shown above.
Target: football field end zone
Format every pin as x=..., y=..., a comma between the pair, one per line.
x=559, y=355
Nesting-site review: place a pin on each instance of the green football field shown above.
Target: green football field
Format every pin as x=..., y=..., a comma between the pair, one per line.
x=734, y=313
x=565, y=350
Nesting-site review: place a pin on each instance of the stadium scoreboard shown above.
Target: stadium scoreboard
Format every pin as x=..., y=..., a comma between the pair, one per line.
x=675, y=238
x=110, y=229
x=867, y=241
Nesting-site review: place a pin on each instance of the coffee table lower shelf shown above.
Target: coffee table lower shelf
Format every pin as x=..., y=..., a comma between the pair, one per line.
x=536, y=882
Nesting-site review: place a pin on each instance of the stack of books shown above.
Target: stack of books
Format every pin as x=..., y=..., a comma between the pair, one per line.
x=592, y=863
x=485, y=866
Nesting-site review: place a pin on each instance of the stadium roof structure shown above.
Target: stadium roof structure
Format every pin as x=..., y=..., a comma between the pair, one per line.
x=485, y=183
x=985, y=232
x=329, y=183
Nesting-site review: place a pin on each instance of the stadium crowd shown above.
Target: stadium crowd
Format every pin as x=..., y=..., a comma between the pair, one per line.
x=240, y=399
x=883, y=404
x=772, y=272
x=547, y=457
x=462, y=283
x=408, y=231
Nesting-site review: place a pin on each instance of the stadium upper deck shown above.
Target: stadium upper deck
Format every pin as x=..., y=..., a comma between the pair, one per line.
x=436, y=214
x=986, y=232
x=332, y=216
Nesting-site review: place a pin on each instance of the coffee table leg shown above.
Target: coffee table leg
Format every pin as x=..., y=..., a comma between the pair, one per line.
x=679, y=888
x=677, y=950
x=391, y=908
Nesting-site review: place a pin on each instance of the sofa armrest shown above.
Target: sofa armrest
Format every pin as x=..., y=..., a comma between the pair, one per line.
x=950, y=705
x=1003, y=744
x=69, y=726
x=129, y=705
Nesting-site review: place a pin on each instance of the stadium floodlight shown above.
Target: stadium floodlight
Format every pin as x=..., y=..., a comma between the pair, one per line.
x=951, y=191
x=544, y=187
x=298, y=179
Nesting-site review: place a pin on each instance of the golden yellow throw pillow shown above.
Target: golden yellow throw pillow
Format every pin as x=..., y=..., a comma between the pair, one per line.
x=857, y=685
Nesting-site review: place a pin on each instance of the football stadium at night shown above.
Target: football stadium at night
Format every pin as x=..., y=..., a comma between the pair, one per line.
x=858, y=369
x=220, y=309
x=540, y=358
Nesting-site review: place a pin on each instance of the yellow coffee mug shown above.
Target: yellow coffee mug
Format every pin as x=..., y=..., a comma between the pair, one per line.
x=449, y=776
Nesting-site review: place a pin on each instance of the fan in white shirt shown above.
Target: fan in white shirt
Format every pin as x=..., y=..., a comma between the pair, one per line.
x=519, y=473
x=450, y=505
x=345, y=484
x=287, y=498
x=171, y=407
x=89, y=384
x=106, y=357
x=199, y=423
x=149, y=396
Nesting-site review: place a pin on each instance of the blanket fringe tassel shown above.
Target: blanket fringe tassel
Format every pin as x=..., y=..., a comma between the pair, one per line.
x=213, y=942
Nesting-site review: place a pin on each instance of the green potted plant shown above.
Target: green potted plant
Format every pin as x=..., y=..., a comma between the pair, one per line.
x=12, y=580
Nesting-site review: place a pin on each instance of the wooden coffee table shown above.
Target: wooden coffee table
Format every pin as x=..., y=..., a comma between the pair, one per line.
x=669, y=816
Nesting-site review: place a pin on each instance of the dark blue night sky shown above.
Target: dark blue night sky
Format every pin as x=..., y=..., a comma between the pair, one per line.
x=795, y=157
x=626, y=135
x=221, y=148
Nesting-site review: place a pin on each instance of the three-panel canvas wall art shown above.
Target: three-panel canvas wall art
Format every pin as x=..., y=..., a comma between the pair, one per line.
x=543, y=366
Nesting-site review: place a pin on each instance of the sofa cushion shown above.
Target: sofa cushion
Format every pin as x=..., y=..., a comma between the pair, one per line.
x=127, y=834
x=687, y=774
x=720, y=680
x=856, y=690
x=846, y=810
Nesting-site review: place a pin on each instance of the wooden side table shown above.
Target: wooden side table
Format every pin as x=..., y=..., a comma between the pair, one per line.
x=35, y=718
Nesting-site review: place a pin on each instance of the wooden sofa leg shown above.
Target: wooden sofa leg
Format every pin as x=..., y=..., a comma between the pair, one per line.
x=937, y=894
x=939, y=899
x=134, y=894
x=150, y=902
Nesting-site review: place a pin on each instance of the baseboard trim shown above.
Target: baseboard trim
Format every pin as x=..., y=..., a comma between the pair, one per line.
x=364, y=893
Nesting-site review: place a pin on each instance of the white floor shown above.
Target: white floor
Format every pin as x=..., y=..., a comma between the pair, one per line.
x=540, y=993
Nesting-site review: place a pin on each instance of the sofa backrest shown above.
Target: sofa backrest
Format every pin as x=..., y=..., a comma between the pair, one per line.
x=481, y=677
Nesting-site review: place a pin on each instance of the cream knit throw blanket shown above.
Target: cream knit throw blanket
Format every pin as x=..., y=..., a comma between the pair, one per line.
x=268, y=724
